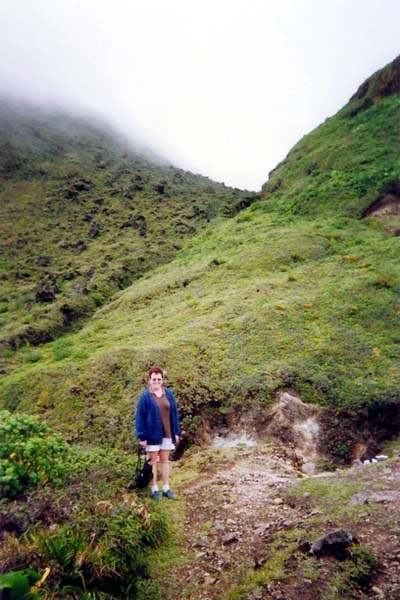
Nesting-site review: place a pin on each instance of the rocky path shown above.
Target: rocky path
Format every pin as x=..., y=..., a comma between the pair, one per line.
x=229, y=515
x=238, y=506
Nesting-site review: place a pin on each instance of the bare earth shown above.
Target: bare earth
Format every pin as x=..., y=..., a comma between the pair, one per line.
x=242, y=512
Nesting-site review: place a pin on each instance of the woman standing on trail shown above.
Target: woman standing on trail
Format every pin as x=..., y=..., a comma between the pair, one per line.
x=158, y=430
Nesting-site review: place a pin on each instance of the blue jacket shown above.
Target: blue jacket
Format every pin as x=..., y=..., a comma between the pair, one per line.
x=148, y=419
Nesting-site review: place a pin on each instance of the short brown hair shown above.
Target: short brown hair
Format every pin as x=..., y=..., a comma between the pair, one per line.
x=156, y=370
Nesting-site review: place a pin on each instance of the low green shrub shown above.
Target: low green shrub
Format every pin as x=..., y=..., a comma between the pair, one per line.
x=30, y=454
x=31, y=356
x=105, y=554
x=362, y=566
x=62, y=348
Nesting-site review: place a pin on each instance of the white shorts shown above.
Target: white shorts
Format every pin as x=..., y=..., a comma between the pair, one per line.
x=166, y=444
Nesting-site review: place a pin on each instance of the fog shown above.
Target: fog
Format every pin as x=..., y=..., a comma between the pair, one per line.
x=219, y=87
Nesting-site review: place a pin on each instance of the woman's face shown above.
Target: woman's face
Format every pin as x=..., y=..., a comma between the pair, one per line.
x=156, y=381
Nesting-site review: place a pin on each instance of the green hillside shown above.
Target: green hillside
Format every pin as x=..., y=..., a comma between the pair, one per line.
x=299, y=291
x=112, y=262
x=342, y=166
x=83, y=216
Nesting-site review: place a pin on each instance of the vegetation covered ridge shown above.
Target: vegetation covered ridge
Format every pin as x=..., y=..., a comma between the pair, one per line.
x=297, y=293
x=267, y=299
x=83, y=215
x=347, y=162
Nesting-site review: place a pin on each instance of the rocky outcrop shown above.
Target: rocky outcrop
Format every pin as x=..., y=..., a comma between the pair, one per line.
x=295, y=423
x=387, y=203
x=46, y=289
x=74, y=189
x=384, y=82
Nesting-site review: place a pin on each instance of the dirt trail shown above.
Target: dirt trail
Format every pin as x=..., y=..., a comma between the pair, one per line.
x=239, y=505
x=240, y=512
x=229, y=514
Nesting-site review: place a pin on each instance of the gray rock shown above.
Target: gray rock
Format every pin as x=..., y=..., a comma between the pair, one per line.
x=380, y=497
x=359, y=499
x=261, y=529
x=218, y=526
x=230, y=538
x=334, y=542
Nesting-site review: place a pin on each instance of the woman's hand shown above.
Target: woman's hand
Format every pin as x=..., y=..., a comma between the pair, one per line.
x=177, y=439
x=143, y=443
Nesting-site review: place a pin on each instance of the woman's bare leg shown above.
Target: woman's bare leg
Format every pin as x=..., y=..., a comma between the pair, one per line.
x=164, y=464
x=153, y=461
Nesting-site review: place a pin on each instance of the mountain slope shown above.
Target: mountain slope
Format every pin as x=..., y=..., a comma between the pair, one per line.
x=296, y=292
x=343, y=165
x=82, y=216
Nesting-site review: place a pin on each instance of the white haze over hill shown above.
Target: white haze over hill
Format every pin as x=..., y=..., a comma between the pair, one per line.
x=219, y=87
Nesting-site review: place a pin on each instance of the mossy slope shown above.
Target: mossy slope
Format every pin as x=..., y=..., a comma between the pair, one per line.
x=82, y=216
x=296, y=291
x=342, y=166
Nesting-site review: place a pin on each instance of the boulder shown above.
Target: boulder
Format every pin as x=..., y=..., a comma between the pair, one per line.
x=336, y=542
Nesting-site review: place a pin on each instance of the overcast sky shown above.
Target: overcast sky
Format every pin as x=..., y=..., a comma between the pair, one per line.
x=219, y=87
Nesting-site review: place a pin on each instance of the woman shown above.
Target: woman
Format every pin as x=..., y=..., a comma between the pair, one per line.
x=158, y=430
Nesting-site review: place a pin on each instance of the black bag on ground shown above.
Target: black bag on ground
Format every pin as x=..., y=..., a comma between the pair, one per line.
x=143, y=472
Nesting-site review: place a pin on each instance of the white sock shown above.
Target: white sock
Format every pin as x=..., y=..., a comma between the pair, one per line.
x=165, y=488
x=154, y=488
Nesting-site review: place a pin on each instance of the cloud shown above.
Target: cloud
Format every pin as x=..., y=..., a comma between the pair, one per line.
x=222, y=87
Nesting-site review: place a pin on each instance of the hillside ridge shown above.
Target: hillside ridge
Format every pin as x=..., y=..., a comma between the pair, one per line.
x=79, y=220
x=363, y=158
x=275, y=318
x=295, y=292
x=381, y=84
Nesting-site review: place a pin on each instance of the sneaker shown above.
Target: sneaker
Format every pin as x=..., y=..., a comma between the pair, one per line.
x=170, y=495
x=156, y=495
